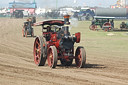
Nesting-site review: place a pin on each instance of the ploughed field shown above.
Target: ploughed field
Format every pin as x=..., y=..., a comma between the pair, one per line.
x=107, y=58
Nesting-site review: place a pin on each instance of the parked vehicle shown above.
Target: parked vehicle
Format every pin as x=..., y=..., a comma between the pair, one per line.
x=106, y=23
x=124, y=25
x=27, y=27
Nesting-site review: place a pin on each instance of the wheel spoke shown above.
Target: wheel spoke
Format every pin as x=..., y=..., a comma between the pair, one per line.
x=35, y=48
x=37, y=58
x=37, y=51
x=37, y=42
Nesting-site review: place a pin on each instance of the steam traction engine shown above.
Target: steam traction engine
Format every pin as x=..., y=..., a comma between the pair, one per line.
x=106, y=23
x=27, y=27
x=57, y=44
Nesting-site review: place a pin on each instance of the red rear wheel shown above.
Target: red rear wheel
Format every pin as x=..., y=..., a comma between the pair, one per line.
x=40, y=51
x=23, y=34
x=52, y=56
x=80, y=57
x=106, y=26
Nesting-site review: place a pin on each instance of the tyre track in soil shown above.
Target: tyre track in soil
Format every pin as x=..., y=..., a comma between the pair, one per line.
x=17, y=66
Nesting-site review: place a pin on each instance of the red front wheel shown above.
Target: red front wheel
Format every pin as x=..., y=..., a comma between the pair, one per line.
x=80, y=57
x=92, y=27
x=52, y=56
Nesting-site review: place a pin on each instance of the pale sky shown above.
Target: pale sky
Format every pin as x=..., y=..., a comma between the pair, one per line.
x=52, y=3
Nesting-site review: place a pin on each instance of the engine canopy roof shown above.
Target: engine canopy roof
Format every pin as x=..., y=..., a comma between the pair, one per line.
x=50, y=22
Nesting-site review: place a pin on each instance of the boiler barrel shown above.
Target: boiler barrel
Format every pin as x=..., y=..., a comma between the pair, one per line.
x=111, y=12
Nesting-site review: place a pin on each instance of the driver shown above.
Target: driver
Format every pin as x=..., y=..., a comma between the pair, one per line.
x=49, y=29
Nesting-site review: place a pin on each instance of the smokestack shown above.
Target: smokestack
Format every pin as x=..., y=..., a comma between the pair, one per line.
x=66, y=19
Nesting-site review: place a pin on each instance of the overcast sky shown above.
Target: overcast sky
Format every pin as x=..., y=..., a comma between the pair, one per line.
x=52, y=3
